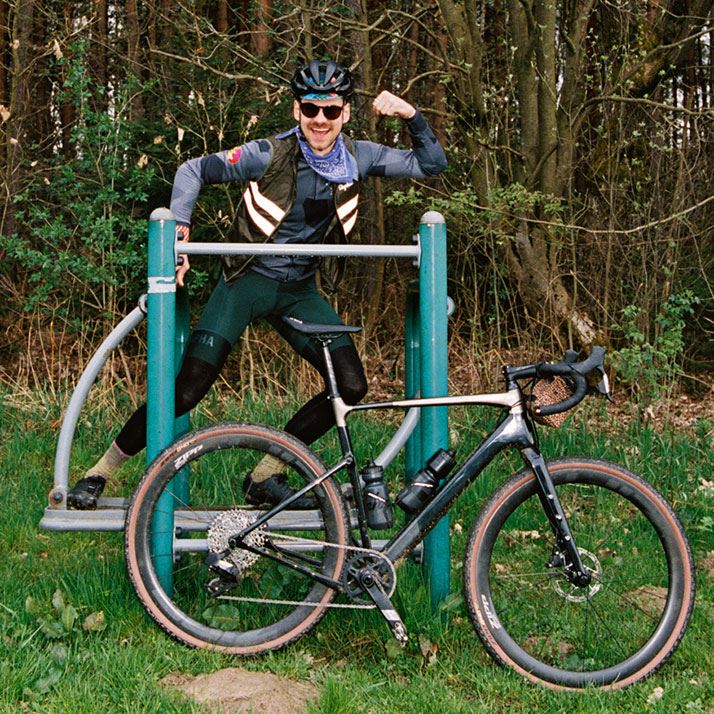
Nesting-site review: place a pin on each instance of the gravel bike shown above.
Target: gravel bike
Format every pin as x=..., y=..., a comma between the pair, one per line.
x=576, y=572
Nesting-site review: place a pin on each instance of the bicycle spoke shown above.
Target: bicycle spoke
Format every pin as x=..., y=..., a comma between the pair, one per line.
x=535, y=574
x=633, y=604
x=576, y=629
x=611, y=633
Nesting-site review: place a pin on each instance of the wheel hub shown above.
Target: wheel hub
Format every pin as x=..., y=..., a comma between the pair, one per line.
x=571, y=592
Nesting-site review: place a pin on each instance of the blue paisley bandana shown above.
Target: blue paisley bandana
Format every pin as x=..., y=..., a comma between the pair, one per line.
x=339, y=166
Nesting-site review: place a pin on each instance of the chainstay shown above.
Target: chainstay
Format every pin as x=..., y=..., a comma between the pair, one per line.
x=303, y=603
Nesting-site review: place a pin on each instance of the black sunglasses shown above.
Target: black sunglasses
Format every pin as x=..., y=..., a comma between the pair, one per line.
x=331, y=111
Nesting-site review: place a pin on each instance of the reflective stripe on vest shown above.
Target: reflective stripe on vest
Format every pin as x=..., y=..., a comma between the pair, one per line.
x=347, y=213
x=254, y=199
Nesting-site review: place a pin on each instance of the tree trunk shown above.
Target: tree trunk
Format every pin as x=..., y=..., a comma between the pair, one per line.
x=4, y=56
x=99, y=55
x=19, y=107
x=133, y=41
x=377, y=272
x=222, y=16
x=261, y=31
x=464, y=33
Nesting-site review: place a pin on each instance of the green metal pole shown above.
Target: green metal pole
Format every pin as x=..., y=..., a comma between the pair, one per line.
x=412, y=366
x=434, y=424
x=160, y=400
x=182, y=424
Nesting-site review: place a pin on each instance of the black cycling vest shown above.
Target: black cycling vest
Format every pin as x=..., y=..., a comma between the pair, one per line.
x=267, y=201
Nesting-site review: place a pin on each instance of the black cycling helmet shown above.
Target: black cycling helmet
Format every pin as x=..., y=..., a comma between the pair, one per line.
x=321, y=80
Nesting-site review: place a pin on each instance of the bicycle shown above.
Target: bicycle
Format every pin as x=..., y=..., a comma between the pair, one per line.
x=576, y=572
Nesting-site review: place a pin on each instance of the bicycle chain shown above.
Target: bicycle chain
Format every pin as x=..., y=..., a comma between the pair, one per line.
x=344, y=606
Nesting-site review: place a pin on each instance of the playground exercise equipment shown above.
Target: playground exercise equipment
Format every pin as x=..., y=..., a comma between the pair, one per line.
x=426, y=372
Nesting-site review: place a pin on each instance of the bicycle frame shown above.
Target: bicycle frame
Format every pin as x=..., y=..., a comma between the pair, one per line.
x=514, y=430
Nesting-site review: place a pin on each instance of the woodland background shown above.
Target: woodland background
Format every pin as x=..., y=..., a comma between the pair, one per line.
x=578, y=197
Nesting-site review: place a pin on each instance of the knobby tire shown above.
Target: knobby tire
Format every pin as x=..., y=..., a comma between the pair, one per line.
x=615, y=632
x=219, y=457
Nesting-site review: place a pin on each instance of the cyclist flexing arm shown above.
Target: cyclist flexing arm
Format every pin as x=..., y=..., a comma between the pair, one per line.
x=301, y=187
x=249, y=161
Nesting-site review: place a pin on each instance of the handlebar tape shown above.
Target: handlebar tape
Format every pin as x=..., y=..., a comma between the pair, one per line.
x=576, y=372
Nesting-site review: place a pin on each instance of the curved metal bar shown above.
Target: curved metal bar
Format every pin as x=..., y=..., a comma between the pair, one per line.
x=79, y=396
x=400, y=438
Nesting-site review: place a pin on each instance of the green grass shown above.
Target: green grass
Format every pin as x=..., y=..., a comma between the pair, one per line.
x=49, y=667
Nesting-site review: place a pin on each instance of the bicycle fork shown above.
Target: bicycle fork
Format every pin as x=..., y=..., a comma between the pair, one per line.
x=565, y=552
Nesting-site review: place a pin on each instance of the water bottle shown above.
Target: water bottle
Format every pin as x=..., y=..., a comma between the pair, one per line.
x=376, y=498
x=425, y=483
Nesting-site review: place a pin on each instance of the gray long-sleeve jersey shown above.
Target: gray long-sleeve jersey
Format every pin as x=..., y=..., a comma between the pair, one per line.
x=313, y=208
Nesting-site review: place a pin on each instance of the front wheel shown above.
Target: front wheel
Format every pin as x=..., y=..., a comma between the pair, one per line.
x=616, y=630
x=175, y=534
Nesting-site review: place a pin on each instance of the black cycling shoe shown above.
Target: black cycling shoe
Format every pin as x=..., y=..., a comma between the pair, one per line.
x=85, y=493
x=273, y=491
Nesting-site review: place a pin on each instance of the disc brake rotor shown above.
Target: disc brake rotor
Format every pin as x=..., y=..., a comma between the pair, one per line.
x=229, y=523
x=573, y=593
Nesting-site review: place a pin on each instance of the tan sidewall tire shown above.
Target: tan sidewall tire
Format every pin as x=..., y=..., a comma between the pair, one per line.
x=134, y=516
x=473, y=592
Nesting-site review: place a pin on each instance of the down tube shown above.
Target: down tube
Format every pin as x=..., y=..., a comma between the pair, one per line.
x=511, y=432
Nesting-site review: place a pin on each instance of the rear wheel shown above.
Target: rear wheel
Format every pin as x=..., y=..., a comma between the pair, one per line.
x=262, y=604
x=613, y=632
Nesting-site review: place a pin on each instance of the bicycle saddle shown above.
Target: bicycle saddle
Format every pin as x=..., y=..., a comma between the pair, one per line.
x=318, y=329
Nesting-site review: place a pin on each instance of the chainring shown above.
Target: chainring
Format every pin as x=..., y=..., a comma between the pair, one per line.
x=227, y=524
x=382, y=570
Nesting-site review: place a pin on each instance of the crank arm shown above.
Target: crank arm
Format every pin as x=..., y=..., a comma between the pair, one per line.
x=384, y=604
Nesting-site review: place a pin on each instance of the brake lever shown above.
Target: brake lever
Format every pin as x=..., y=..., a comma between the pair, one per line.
x=604, y=385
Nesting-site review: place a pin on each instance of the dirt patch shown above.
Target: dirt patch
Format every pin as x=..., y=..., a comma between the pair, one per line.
x=237, y=690
x=649, y=598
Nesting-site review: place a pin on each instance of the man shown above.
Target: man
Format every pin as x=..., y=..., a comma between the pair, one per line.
x=302, y=188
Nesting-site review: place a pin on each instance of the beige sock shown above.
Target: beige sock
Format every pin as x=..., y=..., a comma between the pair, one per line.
x=267, y=467
x=109, y=464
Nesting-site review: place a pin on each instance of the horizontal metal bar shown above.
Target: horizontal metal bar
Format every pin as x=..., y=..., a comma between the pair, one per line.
x=111, y=514
x=104, y=519
x=200, y=545
x=319, y=250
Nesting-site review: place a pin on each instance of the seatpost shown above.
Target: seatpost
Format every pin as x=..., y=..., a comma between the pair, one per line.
x=331, y=378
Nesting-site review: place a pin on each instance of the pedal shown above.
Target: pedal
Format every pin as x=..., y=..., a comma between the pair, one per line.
x=219, y=586
x=372, y=587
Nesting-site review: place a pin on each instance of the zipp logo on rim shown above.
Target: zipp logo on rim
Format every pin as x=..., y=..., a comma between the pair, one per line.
x=185, y=458
x=490, y=614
